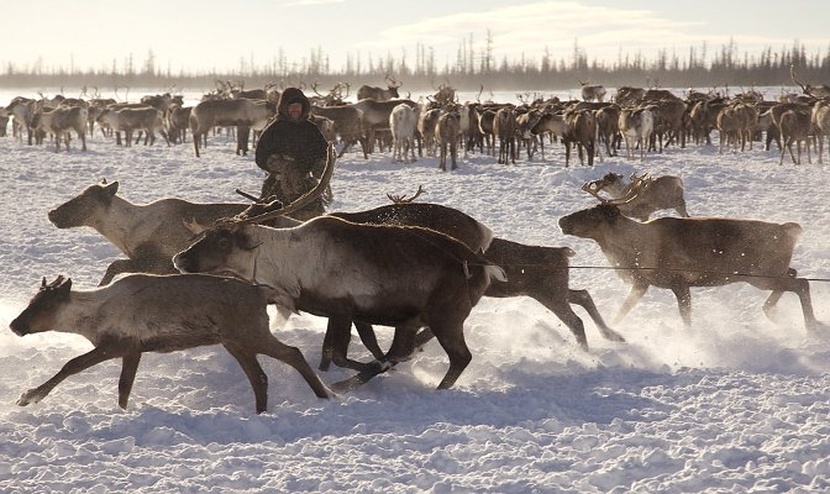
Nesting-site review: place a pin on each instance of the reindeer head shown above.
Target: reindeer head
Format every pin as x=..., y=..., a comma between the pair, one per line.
x=39, y=315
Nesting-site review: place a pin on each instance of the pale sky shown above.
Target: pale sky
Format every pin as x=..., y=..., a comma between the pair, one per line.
x=223, y=35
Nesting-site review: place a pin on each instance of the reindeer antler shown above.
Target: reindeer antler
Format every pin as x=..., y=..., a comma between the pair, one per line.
x=593, y=188
x=401, y=199
x=299, y=203
x=795, y=80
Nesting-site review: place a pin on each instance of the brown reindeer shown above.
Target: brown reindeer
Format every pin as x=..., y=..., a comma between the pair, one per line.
x=347, y=125
x=147, y=313
x=406, y=277
x=821, y=124
x=795, y=125
x=582, y=133
x=447, y=134
x=680, y=253
x=504, y=128
x=378, y=93
x=534, y=271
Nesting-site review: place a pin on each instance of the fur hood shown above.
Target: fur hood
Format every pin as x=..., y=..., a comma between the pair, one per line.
x=293, y=95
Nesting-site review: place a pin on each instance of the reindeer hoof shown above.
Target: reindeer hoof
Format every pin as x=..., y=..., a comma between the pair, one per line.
x=31, y=396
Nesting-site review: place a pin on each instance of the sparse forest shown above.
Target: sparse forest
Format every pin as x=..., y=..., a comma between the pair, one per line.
x=473, y=67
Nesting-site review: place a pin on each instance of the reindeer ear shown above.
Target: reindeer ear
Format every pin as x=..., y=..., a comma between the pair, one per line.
x=66, y=286
x=111, y=188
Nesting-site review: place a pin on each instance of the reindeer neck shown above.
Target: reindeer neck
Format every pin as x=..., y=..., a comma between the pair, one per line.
x=125, y=223
x=620, y=240
x=81, y=316
x=292, y=252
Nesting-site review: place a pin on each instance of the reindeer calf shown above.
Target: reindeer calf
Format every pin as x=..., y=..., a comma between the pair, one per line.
x=148, y=313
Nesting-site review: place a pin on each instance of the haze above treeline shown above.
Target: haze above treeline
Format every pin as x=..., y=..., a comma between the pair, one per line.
x=700, y=67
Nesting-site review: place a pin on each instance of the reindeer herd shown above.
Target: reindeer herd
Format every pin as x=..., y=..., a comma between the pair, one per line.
x=204, y=274
x=641, y=120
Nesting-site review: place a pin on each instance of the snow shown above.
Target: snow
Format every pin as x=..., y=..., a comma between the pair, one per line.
x=737, y=403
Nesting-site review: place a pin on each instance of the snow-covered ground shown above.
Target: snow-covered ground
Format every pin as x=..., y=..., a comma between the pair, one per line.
x=735, y=404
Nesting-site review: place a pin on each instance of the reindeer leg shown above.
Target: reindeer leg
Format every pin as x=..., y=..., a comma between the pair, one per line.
x=402, y=348
x=333, y=341
x=256, y=376
x=336, y=344
x=800, y=287
x=451, y=337
x=95, y=356
x=684, y=302
x=292, y=356
x=584, y=300
x=369, y=339
x=563, y=311
x=634, y=296
x=403, y=344
x=129, y=366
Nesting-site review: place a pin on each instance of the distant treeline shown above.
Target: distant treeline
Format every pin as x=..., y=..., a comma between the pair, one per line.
x=470, y=72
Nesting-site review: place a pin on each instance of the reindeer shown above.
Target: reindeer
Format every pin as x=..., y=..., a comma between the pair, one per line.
x=444, y=95
x=177, y=121
x=821, y=123
x=504, y=127
x=533, y=271
x=335, y=96
x=525, y=122
x=403, y=123
x=438, y=284
x=147, y=313
x=669, y=114
x=380, y=94
x=149, y=235
x=21, y=110
x=4, y=121
x=486, y=120
x=815, y=92
x=794, y=125
x=680, y=253
x=627, y=96
x=60, y=121
x=146, y=119
x=608, y=127
x=582, y=132
x=736, y=122
x=592, y=92
x=94, y=110
x=820, y=118
x=447, y=134
x=110, y=119
x=552, y=124
x=161, y=102
x=427, y=122
x=375, y=116
x=703, y=118
x=243, y=113
x=636, y=125
x=347, y=124
x=468, y=120
x=326, y=126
